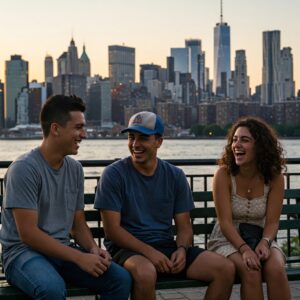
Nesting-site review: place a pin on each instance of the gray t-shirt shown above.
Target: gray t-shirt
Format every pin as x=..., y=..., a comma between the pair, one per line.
x=55, y=194
x=147, y=204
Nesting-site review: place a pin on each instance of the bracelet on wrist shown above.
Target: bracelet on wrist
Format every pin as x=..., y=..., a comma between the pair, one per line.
x=241, y=246
x=268, y=240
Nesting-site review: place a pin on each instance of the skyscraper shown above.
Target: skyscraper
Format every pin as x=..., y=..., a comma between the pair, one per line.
x=196, y=65
x=84, y=64
x=170, y=69
x=62, y=64
x=241, y=80
x=72, y=59
x=182, y=59
x=16, y=78
x=121, y=61
x=48, y=74
x=287, y=76
x=68, y=80
x=221, y=53
x=99, y=103
x=270, y=92
x=2, y=120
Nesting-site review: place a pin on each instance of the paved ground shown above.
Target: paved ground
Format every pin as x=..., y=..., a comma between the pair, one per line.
x=198, y=293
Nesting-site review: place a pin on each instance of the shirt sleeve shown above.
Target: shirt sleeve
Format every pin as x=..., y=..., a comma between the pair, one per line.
x=109, y=191
x=21, y=186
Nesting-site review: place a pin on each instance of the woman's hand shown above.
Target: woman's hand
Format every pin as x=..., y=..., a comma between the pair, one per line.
x=251, y=259
x=262, y=250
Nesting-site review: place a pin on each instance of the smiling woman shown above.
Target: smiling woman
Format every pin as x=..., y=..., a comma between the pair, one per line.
x=248, y=193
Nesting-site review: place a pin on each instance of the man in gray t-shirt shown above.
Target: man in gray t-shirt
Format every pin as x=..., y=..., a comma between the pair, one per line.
x=139, y=198
x=43, y=204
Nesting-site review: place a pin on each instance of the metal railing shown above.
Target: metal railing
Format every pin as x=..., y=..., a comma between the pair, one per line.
x=198, y=182
x=201, y=181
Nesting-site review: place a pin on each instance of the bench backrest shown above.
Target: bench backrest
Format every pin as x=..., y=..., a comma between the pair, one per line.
x=203, y=217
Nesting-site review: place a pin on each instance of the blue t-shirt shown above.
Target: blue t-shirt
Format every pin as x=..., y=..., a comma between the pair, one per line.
x=147, y=204
x=31, y=183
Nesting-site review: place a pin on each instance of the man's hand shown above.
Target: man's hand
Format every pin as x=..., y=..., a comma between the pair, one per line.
x=94, y=264
x=160, y=261
x=178, y=259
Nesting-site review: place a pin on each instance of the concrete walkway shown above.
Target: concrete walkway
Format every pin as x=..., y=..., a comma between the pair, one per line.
x=198, y=293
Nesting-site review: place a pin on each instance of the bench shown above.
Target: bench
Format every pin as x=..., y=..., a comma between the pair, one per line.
x=203, y=218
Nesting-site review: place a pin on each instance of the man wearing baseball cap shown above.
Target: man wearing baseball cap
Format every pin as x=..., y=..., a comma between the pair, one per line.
x=138, y=197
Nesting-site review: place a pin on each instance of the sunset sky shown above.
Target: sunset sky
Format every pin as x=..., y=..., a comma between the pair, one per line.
x=34, y=28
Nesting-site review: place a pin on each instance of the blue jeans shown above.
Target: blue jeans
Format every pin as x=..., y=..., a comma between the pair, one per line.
x=45, y=278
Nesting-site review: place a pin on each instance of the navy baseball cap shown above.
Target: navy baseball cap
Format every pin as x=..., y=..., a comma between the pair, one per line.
x=145, y=122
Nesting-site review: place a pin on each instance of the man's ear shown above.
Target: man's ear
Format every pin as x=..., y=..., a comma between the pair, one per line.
x=160, y=141
x=54, y=129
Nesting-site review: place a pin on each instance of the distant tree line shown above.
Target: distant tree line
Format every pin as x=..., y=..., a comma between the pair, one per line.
x=214, y=130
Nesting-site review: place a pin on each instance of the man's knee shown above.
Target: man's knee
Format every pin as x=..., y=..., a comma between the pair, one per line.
x=142, y=271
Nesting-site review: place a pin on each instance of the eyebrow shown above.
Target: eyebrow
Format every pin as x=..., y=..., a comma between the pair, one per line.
x=243, y=136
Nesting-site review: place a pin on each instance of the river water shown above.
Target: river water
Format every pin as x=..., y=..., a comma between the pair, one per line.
x=171, y=149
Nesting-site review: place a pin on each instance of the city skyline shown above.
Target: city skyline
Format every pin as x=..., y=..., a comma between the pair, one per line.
x=34, y=29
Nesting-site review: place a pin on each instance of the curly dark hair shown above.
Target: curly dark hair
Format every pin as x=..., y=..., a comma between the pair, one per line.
x=268, y=150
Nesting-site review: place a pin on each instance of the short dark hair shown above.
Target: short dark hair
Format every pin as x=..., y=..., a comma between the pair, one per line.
x=269, y=152
x=57, y=109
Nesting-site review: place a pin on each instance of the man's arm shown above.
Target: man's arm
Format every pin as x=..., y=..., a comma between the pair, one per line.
x=116, y=233
x=30, y=234
x=83, y=236
x=184, y=229
x=184, y=239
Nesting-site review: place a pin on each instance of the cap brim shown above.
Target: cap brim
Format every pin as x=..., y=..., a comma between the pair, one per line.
x=140, y=129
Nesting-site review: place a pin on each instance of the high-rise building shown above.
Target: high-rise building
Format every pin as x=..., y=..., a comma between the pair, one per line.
x=270, y=92
x=37, y=97
x=170, y=69
x=121, y=61
x=287, y=76
x=106, y=104
x=99, y=103
x=22, y=107
x=241, y=80
x=62, y=64
x=49, y=74
x=68, y=80
x=48, y=68
x=72, y=59
x=196, y=64
x=2, y=120
x=69, y=84
x=84, y=64
x=221, y=53
x=148, y=72
x=182, y=59
x=16, y=78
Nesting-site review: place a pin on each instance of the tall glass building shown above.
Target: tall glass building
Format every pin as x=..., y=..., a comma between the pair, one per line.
x=221, y=54
x=182, y=59
x=121, y=62
x=270, y=92
x=196, y=52
x=16, y=78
